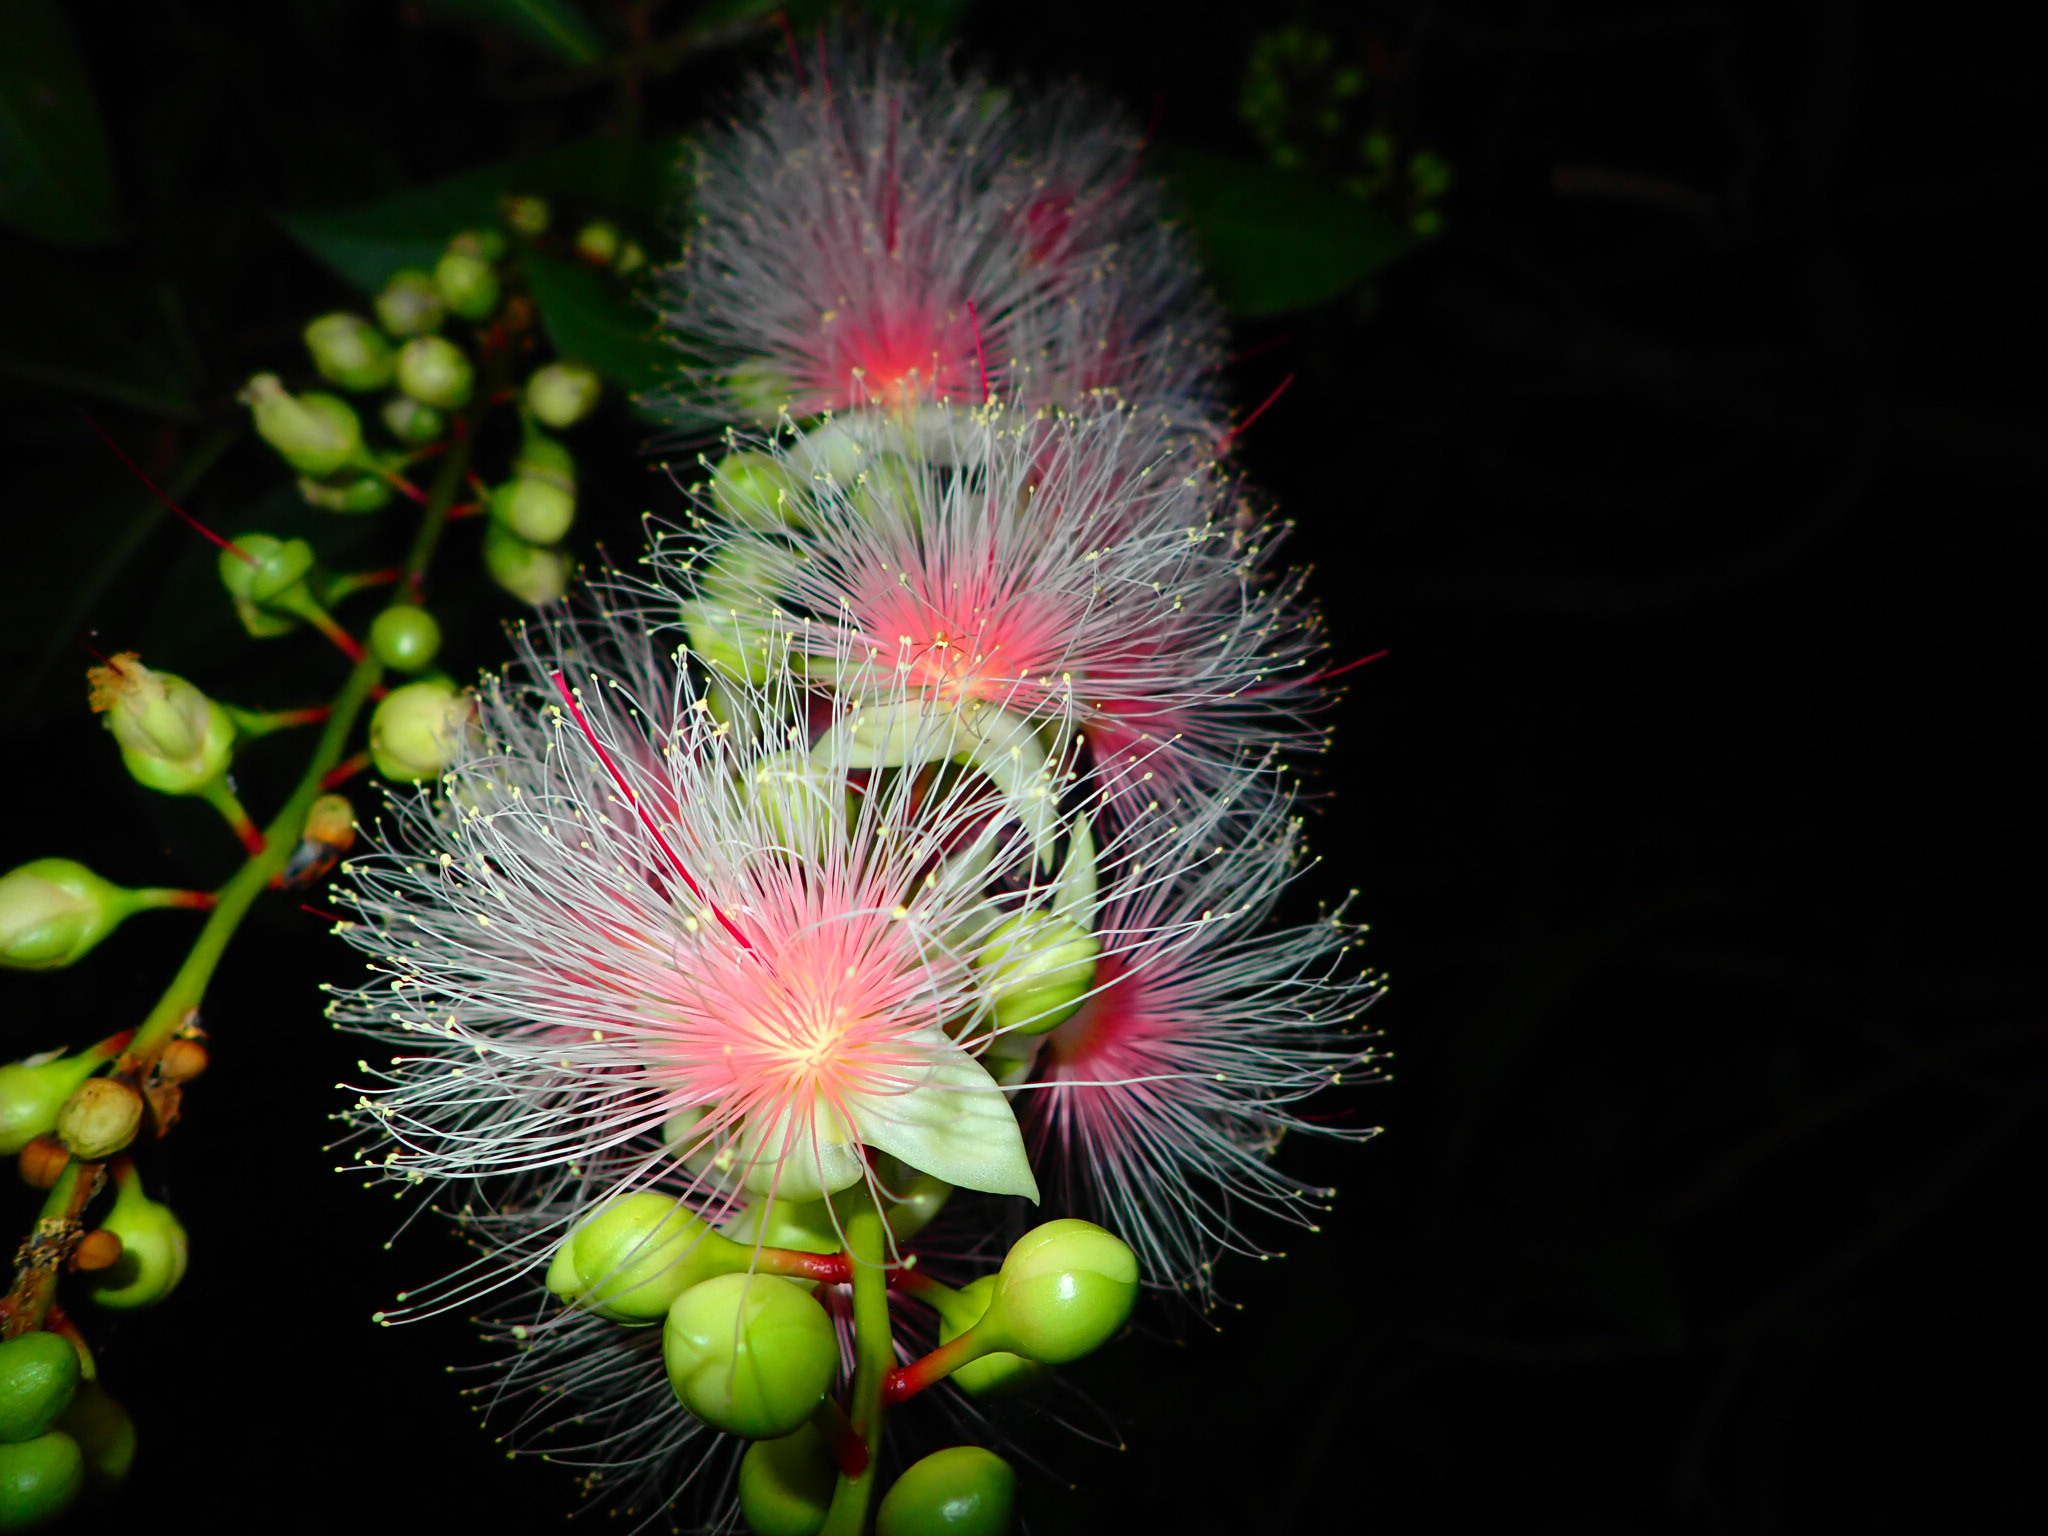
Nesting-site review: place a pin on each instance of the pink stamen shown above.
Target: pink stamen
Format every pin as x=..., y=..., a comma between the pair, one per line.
x=1257, y=411
x=1349, y=666
x=789, y=39
x=157, y=492
x=633, y=799
x=980, y=362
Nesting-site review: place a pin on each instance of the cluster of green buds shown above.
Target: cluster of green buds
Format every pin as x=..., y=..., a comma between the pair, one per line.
x=61, y=1435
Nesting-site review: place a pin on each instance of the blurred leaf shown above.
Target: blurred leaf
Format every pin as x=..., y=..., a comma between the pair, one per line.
x=90, y=335
x=586, y=318
x=1276, y=241
x=56, y=181
x=557, y=28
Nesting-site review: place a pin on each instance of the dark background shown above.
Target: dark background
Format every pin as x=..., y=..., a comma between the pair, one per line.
x=1684, y=477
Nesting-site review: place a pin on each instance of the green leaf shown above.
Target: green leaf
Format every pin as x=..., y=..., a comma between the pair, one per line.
x=56, y=180
x=587, y=318
x=1275, y=241
x=557, y=28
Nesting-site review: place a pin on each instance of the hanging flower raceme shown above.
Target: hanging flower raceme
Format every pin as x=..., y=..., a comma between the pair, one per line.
x=869, y=231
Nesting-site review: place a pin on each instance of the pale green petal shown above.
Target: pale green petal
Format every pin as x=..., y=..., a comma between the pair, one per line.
x=952, y=1122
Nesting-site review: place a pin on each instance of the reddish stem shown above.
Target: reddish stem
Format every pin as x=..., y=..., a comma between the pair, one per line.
x=929, y=1370
x=345, y=770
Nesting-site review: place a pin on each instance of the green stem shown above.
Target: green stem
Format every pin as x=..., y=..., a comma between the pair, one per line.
x=874, y=1353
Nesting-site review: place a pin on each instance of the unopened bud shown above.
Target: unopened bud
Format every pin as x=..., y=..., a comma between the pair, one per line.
x=39, y=1375
x=405, y=636
x=997, y=1373
x=803, y=804
x=529, y=572
x=53, y=911
x=348, y=492
x=105, y=1435
x=598, y=243
x=330, y=832
x=154, y=1251
x=98, y=1249
x=411, y=421
x=964, y=1490
x=631, y=258
x=266, y=579
x=1064, y=1290
x=410, y=304
x=33, y=1093
x=785, y=1485
x=42, y=1160
x=183, y=1060
x=99, y=1119
x=750, y=1355
x=1039, y=969
x=314, y=433
x=544, y=458
x=434, y=371
x=759, y=392
x=528, y=214
x=417, y=730
x=631, y=1260
x=469, y=284
x=349, y=351
x=562, y=393
x=756, y=490
x=483, y=244
x=173, y=737
x=538, y=511
x=39, y=1479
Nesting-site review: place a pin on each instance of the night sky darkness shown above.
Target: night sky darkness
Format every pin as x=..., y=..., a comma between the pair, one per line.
x=1685, y=481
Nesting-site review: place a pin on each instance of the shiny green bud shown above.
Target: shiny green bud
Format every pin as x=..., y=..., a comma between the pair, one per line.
x=786, y=1484
x=963, y=1490
x=410, y=305
x=39, y=1376
x=54, y=911
x=173, y=737
x=997, y=1373
x=412, y=422
x=598, y=243
x=528, y=214
x=544, y=458
x=757, y=490
x=99, y=1119
x=1064, y=1290
x=33, y=1094
x=267, y=579
x=405, y=636
x=39, y=1480
x=468, y=284
x=105, y=1435
x=351, y=494
x=1038, y=968
x=631, y=1260
x=530, y=573
x=538, y=511
x=436, y=372
x=562, y=393
x=750, y=1354
x=314, y=433
x=349, y=351
x=153, y=1252
x=417, y=730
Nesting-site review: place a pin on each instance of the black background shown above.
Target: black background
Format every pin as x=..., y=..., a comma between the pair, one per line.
x=1691, y=807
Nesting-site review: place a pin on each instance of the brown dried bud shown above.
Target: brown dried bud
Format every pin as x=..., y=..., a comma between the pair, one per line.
x=98, y=1249
x=42, y=1162
x=99, y=1119
x=181, y=1061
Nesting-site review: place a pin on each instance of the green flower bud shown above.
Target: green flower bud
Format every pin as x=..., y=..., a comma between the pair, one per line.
x=538, y=511
x=434, y=371
x=598, y=243
x=53, y=911
x=631, y=258
x=1064, y=1290
x=804, y=803
x=635, y=1257
x=749, y=1354
x=484, y=244
x=410, y=304
x=544, y=458
x=418, y=729
x=1039, y=969
x=563, y=393
x=38, y=1377
x=105, y=1435
x=347, y=493
x=757, y=491
x=153, y=1252
x=786, y=1484
x=39, y=1480
x=411, y=421
x=314, y=433
x=173, y=737
x=760, y=391
x=730, y=622
x=406, y=637
x=997, y=1373
x=33, y=1094
x=530, y=573
x=349, y=351
x=99, y=1119
x=528, y=214
x=269, y=588
x=468, y=283
x=963, y=1490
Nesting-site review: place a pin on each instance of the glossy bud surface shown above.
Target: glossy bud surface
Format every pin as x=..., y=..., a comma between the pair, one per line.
x=786, y=1484
x=749, y=1354
x=963, y=1490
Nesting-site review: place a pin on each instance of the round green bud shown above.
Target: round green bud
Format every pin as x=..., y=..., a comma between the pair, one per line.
x=53, y=911
x=417, y=730
x=802, y=803
x=635, y=1257
x=529, y=572
x=562, y=393
x=749, y=1354
x=538, y=511
x=33, y=1093
x=153, y=1253
x=347, y=493
x=756, y=490
x=786, y=1484
x=406, y=637
x=39, y=1375
x=529, y=215
x=631, y=258
x=410, y=305
x=173, y=737
x=759, y=391
x=1064, y=1290
x=105, y=1435
x=468, y=284
x=99, y=1119
x=412, y=422
x=434, y=371
x=544, y=458
x=314, y=433
x=39, y=1480
x=963, y=1490
x=1038, y=968
x=993, y=1375
x=260, y=568
x=598, y=243
x=349, y=351
x=484, y=244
